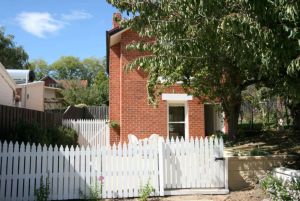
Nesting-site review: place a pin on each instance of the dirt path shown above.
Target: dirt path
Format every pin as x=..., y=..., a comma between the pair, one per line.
x=255, y=194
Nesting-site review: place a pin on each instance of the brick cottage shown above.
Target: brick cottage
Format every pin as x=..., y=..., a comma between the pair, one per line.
x=177, y=114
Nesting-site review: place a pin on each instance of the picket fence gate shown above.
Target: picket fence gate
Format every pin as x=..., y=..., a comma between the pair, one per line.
x=91, y=132
x=74, y=172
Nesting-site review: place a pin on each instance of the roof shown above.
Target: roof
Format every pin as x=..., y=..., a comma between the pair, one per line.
x=48, y=76
x=113, y=37
x=66, y=84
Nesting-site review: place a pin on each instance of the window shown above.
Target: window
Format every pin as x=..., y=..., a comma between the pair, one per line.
x=177, y=120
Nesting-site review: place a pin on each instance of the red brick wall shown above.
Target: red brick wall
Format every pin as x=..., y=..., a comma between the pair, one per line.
x=128, y=99
x=114, y=91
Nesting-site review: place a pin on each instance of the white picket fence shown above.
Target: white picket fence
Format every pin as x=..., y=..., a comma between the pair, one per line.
x=168, y=166
x=94, y=133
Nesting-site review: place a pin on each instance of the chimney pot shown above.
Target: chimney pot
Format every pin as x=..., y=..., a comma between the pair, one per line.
x=116, y=17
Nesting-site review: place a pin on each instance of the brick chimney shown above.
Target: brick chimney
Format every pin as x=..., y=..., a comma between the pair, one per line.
x=116, y=17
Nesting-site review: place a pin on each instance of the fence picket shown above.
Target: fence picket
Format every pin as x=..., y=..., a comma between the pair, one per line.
x=94, y=133
x=186, y=163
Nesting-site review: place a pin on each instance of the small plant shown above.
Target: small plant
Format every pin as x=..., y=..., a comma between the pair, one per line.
x=95, y=191
x=145, y=191
x=114, y=124
x=258, y=152
x=220, y=134
x=281, y=190
x=42, y=193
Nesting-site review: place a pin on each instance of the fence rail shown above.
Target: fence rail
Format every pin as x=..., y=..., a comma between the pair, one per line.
x=94, y=133
x=74, y=172
x=99, y=112
x=11, y=116
x=125, y=168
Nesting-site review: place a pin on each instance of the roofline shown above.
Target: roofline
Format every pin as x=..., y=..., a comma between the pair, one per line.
x=108, y=35
x=42, y=79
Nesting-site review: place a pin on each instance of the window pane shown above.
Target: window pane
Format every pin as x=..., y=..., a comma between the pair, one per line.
x=176, y=113
x=176, y=130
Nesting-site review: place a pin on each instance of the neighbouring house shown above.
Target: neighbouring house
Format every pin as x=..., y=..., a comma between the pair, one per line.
x=53, y=98
x=65, y=84
x=178, y=114
x=8, y=89
x=30, y=93
x=53, y=91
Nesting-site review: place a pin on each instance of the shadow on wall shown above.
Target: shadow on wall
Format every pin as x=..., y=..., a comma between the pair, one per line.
x=247, y=171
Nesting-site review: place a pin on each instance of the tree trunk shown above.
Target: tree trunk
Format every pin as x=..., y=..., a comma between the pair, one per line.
x=232, y=107
x=295, y=111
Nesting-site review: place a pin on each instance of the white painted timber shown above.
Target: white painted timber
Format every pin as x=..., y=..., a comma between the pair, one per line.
x=94, y=133
x=172, y=167
x=176, y=97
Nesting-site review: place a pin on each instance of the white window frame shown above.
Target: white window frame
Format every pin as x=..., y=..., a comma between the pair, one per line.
x=186, y=116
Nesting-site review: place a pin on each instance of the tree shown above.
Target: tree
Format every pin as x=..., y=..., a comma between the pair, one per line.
x=101, y=85
x=96, y=93
x=12, y=56
x=40, y=67
x=216, y=47
x=69, y=68
x=93, y=66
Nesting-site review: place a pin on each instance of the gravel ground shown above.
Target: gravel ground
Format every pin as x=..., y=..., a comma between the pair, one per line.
x=255, y=194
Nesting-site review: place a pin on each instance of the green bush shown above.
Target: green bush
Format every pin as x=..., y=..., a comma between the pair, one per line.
x=146, y=191
x=34, y=133
x=42, y=193
x=220, y=134
x=280, y=190
x=258, y=152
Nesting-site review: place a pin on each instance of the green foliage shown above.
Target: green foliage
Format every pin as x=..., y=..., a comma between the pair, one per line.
x=40, y=67
x=220, y=134
x=95, y=193
x=280, y=190
x=34, y=133
x=114, y=124
x=145, y=191
x=11, y=55
x=42, y=193
x=69, y=68
x=258, y=152
x=217, y=48
x=90, y=69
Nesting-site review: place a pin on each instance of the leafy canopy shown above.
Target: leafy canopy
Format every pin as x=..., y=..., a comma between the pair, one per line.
x=11, y=55
x=216, y=47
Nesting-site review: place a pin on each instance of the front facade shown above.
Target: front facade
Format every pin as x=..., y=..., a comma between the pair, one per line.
x=177, y=115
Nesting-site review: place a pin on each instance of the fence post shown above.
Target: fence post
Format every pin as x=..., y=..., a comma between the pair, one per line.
x=107, y=133
x=161, y=153
x=226, y=173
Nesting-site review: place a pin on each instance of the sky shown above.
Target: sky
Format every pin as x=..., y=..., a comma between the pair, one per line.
x=49, y=29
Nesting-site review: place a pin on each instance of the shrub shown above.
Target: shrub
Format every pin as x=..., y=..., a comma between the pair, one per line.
x=145, y=191
x=43, y=192
x=63, y=136
x=281, y=190
x=34, y=133
x=114, y=124
x=220, y=134
x=258, y=152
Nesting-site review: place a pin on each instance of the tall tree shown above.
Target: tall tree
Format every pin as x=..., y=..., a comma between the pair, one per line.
x=40, y=67
x=69, y=68
x=11, y=55
x=91, y=69
x=214, y=46
x=92, y=66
